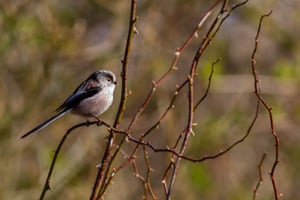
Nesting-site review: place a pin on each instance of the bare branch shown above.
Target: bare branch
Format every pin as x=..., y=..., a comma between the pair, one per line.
x=139, y=141
x=259, y=176
x=56, y=152
x=266, y=106
x=107, y=158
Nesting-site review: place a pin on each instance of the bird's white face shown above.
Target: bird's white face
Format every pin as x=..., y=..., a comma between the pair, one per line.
x=106, y=80
x=111, y=87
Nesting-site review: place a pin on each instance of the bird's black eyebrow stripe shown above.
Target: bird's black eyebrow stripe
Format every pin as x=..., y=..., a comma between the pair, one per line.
x=94, y=77
x=109, y=76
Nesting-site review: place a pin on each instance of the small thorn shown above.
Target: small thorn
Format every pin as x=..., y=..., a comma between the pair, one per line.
x=196, y=34
x=154, y=83
x=99, y=166
x=192, y=132
x=135, y=31
x=48, y=185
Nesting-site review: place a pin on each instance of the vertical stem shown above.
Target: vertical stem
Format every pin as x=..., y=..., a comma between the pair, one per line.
x=106, y=160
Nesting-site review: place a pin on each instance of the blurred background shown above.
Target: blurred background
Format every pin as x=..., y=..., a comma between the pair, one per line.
x=48, y=47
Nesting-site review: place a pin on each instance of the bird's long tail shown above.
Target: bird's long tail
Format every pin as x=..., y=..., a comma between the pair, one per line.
x=47, y=122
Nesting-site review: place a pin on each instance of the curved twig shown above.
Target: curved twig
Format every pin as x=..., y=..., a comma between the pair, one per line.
x=46, y=186
x=266, y=106
x=260, y=180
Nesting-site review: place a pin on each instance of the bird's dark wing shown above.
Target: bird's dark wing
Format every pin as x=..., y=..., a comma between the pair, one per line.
x=77, y=97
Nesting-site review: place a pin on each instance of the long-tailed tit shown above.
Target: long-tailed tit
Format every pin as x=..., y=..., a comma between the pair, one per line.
x=90, y=99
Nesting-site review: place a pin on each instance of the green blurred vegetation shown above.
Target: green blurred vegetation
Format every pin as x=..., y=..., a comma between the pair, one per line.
x=48, y=47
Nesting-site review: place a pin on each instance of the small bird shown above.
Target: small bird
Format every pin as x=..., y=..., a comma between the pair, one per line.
x=90, y=99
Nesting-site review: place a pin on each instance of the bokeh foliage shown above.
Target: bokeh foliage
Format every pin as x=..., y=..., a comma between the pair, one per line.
x=48, y=47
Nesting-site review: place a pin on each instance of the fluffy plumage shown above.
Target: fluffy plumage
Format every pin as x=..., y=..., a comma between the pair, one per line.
x=90, y=99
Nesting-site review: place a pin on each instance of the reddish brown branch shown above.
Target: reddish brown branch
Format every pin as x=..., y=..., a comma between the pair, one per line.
x=149, y=170
x=200, y=24
x=214, y=28
x=208, y=86
x=259, y=176
x=107, y=158
x=266, y=106
x=57, y=151
x=156, y=84
x=106, y=172
x=173, y=67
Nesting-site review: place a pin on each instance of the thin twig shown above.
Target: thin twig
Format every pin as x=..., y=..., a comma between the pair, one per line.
x=105, y=173
x=214, y=28
x=155, y=85
x=173, y=64
x=149, y=170
x=107, y=159
x=208, y=86
x=259, y=176
x=266, y=106
x=46, y=186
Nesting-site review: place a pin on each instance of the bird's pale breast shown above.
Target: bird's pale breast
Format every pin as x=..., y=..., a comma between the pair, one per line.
x=95, y=105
